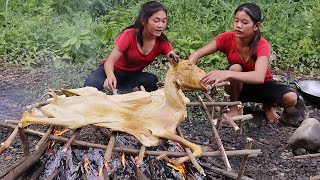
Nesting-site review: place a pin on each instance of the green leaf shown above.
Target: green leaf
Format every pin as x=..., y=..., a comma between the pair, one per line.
x=78, y=44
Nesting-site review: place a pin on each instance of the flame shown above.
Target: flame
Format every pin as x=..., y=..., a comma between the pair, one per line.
x=99, y=171
x=136, y=160
x=85, y=165
x=106, y=165
x=180, y=168
x=123, y=159
x=181, y=147
x=58, y=133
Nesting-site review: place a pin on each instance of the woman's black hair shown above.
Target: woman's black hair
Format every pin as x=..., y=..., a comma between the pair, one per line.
x=254, y=12
x=146, y=11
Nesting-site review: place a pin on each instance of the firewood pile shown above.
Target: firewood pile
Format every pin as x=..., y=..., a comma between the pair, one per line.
x=124, y=157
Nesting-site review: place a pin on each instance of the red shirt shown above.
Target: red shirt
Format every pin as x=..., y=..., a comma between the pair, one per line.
x=132, y=59
x=226, y=43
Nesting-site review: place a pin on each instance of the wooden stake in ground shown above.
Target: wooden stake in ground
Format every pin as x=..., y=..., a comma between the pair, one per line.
x=5, y=145
x=216, y=137
x=24, y=141
x=192, y=158
x=72, y=138
x=245, y=158
x=45, y=137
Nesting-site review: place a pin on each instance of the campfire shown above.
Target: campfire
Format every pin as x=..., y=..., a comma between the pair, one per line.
x=124, y=156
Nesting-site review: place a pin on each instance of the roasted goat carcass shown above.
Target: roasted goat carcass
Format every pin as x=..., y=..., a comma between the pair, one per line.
x=147, y=116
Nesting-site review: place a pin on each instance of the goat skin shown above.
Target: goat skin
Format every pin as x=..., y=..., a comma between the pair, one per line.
x=147, y=116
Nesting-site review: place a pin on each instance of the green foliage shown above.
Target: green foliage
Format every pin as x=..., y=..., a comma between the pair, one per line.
x=83, y=31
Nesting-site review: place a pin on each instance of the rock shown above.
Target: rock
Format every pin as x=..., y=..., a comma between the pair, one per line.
x=295, y=115
x=299, y=151
x=307, y=136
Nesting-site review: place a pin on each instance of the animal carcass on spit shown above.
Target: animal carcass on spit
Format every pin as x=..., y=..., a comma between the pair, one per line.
x=147, y=116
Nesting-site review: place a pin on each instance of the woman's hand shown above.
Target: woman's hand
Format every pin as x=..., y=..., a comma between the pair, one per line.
x=110, y=83
x=216, y=76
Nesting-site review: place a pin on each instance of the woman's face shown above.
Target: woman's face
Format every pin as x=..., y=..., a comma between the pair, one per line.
x=156, y=23
x=243, y=26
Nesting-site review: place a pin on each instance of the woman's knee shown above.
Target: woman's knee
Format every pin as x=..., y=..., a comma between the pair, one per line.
x=235, y=67
x=289, y=99
x=96, y=79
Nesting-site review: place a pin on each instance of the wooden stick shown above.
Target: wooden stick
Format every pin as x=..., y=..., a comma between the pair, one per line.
x=307, y=156
x=112, y=140
x=44, y=137
x=35, y=175
x=6, y=171
x=209, y=104
x=242, y=117
x=12, y=121
x=245, y=158
x=217, y=109
x=27, y=163
x=136, y=151
x=39, y=104
x=104, y=131
x=140, y=174
x=141, y=155
x=109, y=149
x=223, y=172
x=230, y=121
x=24, y=141
x=72, y=138
x=216, y=137
x=5, y=145
x=192, y=158
x=151, y=168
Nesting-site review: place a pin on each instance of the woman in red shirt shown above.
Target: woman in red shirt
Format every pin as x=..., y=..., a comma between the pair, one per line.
x=248, y=55
x=135, y=48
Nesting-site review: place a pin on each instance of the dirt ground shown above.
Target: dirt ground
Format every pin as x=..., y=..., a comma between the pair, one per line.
x=20, y=86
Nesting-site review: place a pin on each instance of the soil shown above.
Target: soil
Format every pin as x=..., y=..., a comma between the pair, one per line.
x=21, y=86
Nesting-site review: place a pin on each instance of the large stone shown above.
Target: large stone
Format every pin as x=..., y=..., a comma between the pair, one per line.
x=307, y=136
x=295, y=115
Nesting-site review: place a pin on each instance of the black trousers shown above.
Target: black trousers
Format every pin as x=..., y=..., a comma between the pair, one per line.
x=268, y=92
x=125, y=81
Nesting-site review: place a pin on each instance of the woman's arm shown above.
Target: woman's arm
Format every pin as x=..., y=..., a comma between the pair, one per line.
x=251, y=77
x=205, y=50
x=111, y=82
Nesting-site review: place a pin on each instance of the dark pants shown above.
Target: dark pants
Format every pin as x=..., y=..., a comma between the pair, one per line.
x=125, y=81
x=268, y=92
